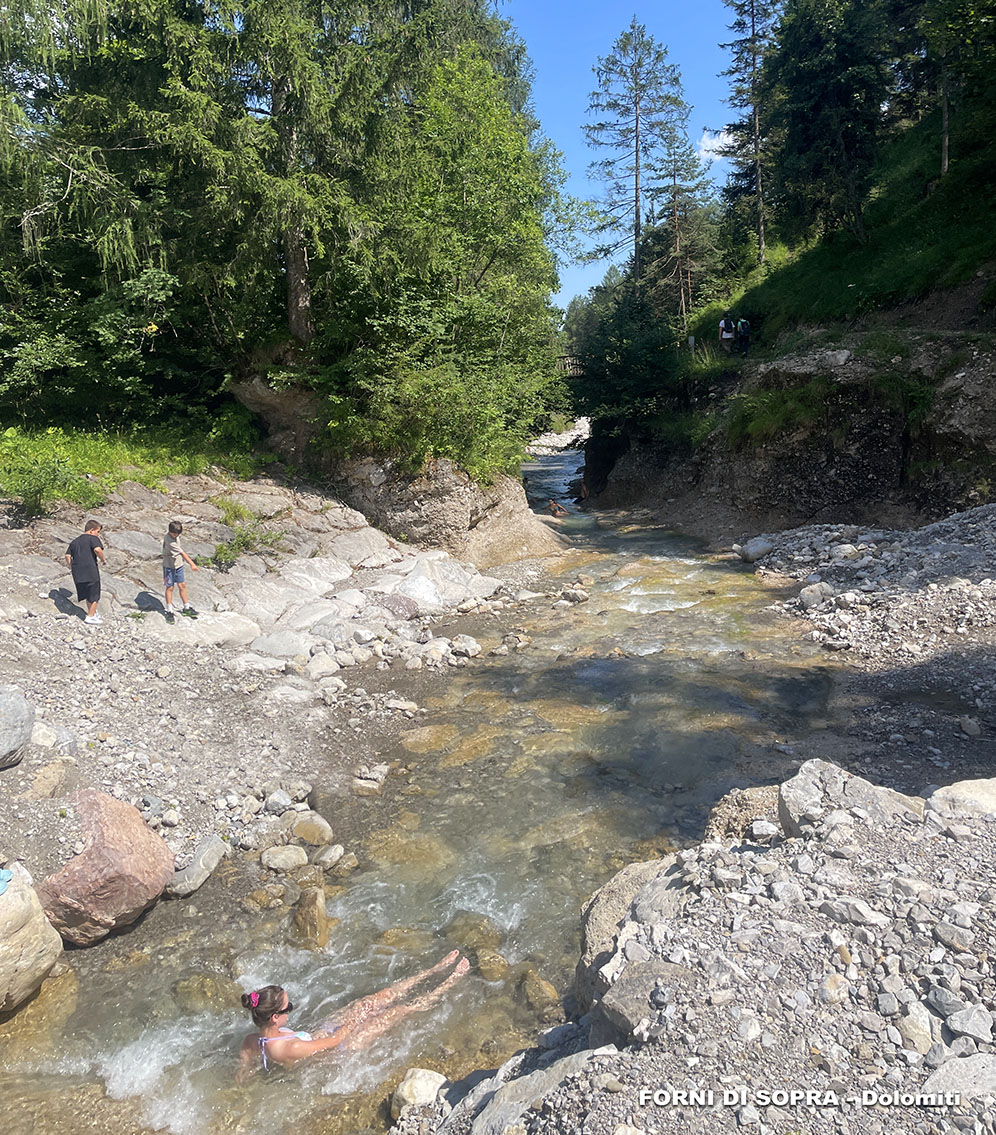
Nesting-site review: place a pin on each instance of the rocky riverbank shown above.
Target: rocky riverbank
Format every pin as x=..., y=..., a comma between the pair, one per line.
x=209, y=733
x=831, y=969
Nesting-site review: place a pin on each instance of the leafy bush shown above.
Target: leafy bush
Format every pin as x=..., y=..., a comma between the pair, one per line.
x=248, y=540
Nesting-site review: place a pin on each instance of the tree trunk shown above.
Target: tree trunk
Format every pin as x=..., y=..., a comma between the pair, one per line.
x=636, y=202
x=299, y=319
x=298, y=283
x=945, y=135
x=755, y=120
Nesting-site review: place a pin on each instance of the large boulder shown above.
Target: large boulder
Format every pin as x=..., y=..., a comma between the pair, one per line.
x=29, y=944
x=820, y=787
x=17, y=718
x=123, y=869
x=965, y=798
x=601, y=918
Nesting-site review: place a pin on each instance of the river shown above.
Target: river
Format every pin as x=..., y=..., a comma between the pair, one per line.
x=532, y=779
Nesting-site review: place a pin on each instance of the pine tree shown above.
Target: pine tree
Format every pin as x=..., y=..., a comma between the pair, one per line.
x=826, y=84
x=638, y=107
x=753, y=26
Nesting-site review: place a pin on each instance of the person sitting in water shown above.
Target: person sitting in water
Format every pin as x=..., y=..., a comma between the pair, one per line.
x=355, y=1026
x=556, y=509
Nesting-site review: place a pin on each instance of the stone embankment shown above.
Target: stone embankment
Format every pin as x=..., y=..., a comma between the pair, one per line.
x=832, y=969
x=905, y=432
x=136, y=754
x=892, y=596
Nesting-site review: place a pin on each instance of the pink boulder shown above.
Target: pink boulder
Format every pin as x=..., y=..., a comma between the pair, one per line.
x=123, y=869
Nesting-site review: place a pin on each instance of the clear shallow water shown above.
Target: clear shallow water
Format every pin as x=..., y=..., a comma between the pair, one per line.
x=531, y=780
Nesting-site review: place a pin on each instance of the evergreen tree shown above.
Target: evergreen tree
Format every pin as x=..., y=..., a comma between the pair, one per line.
x=826, y=84
x=638, y=110
x=683, y=248
x=753, y=26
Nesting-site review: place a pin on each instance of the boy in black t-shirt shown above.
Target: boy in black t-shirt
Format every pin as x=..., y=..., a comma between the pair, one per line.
x=81, y=558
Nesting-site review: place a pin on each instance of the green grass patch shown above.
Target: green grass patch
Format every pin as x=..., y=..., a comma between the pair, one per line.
x=755, y=418
x=42, y=466
x=683, y=432
x=883, y=346
x=232, y=513
x=910, y=397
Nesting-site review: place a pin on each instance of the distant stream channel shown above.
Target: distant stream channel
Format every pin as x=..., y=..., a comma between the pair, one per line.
x=542, y=773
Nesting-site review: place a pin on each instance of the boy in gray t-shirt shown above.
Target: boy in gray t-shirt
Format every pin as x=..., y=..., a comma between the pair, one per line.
x=174, y=558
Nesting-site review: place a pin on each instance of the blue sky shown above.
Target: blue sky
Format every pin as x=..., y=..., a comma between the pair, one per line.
x=565, y=40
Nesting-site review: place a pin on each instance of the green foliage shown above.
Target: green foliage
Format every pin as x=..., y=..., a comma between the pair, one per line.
x=199, y=188
x=249, y=539
x=883, y=346
x=683, y=433
x=42, y=466
x=756, y=417
x=911, y=398
x=232, y=512
x=639, y=114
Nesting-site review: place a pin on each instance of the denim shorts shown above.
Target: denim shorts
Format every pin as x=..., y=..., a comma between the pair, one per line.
x=172, y=575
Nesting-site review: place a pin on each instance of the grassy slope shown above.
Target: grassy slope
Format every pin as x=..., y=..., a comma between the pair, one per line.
x=917, y=242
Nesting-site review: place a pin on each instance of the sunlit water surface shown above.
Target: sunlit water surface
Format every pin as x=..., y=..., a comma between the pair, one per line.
x=534, y=777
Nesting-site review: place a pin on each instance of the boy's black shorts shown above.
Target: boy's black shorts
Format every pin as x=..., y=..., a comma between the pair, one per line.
x=87, y=590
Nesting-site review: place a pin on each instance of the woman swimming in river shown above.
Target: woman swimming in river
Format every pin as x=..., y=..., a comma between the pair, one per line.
x=353, y=1027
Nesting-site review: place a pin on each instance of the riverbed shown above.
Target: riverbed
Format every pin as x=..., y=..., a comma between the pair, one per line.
x=533, y=777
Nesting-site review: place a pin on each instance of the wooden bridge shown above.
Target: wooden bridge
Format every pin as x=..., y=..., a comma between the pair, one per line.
x=570, y=365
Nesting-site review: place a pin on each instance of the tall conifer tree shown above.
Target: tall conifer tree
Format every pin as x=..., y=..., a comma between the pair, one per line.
x=637, y=108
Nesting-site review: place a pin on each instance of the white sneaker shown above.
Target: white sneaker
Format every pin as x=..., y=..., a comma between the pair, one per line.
x=93, y=620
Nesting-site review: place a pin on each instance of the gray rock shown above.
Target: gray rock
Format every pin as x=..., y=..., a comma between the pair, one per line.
x=136, y=545
x=278, y=802
x=17, y=719
x=971, y=1077
x=820, y=787
x=210, y=852
x=954, y=937
x=975, y=1022
x=813, y=595
x=965, y=798
x=914, y=1027
x=790, y=894
x=944, y=1002
x=755, y=549
x=855, y=911
x=283, y=644
x=285, y=857
x=499, y=1107
x=419, y=1088
x=29, y=944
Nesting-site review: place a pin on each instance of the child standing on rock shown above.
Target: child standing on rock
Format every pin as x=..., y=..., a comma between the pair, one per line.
x=81, y=559
x=174, y=558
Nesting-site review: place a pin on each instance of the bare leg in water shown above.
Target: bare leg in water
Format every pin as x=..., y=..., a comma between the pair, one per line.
x=370, y=1016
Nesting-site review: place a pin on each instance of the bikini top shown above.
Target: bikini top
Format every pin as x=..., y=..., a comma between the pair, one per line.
x=285, y=1034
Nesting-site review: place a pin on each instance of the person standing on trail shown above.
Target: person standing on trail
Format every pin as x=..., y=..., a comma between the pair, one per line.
x=743, y=335
x=81, y=559
x=727, y=333
x=174, y=558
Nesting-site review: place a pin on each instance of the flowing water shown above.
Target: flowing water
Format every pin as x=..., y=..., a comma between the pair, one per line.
x=533, y=778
